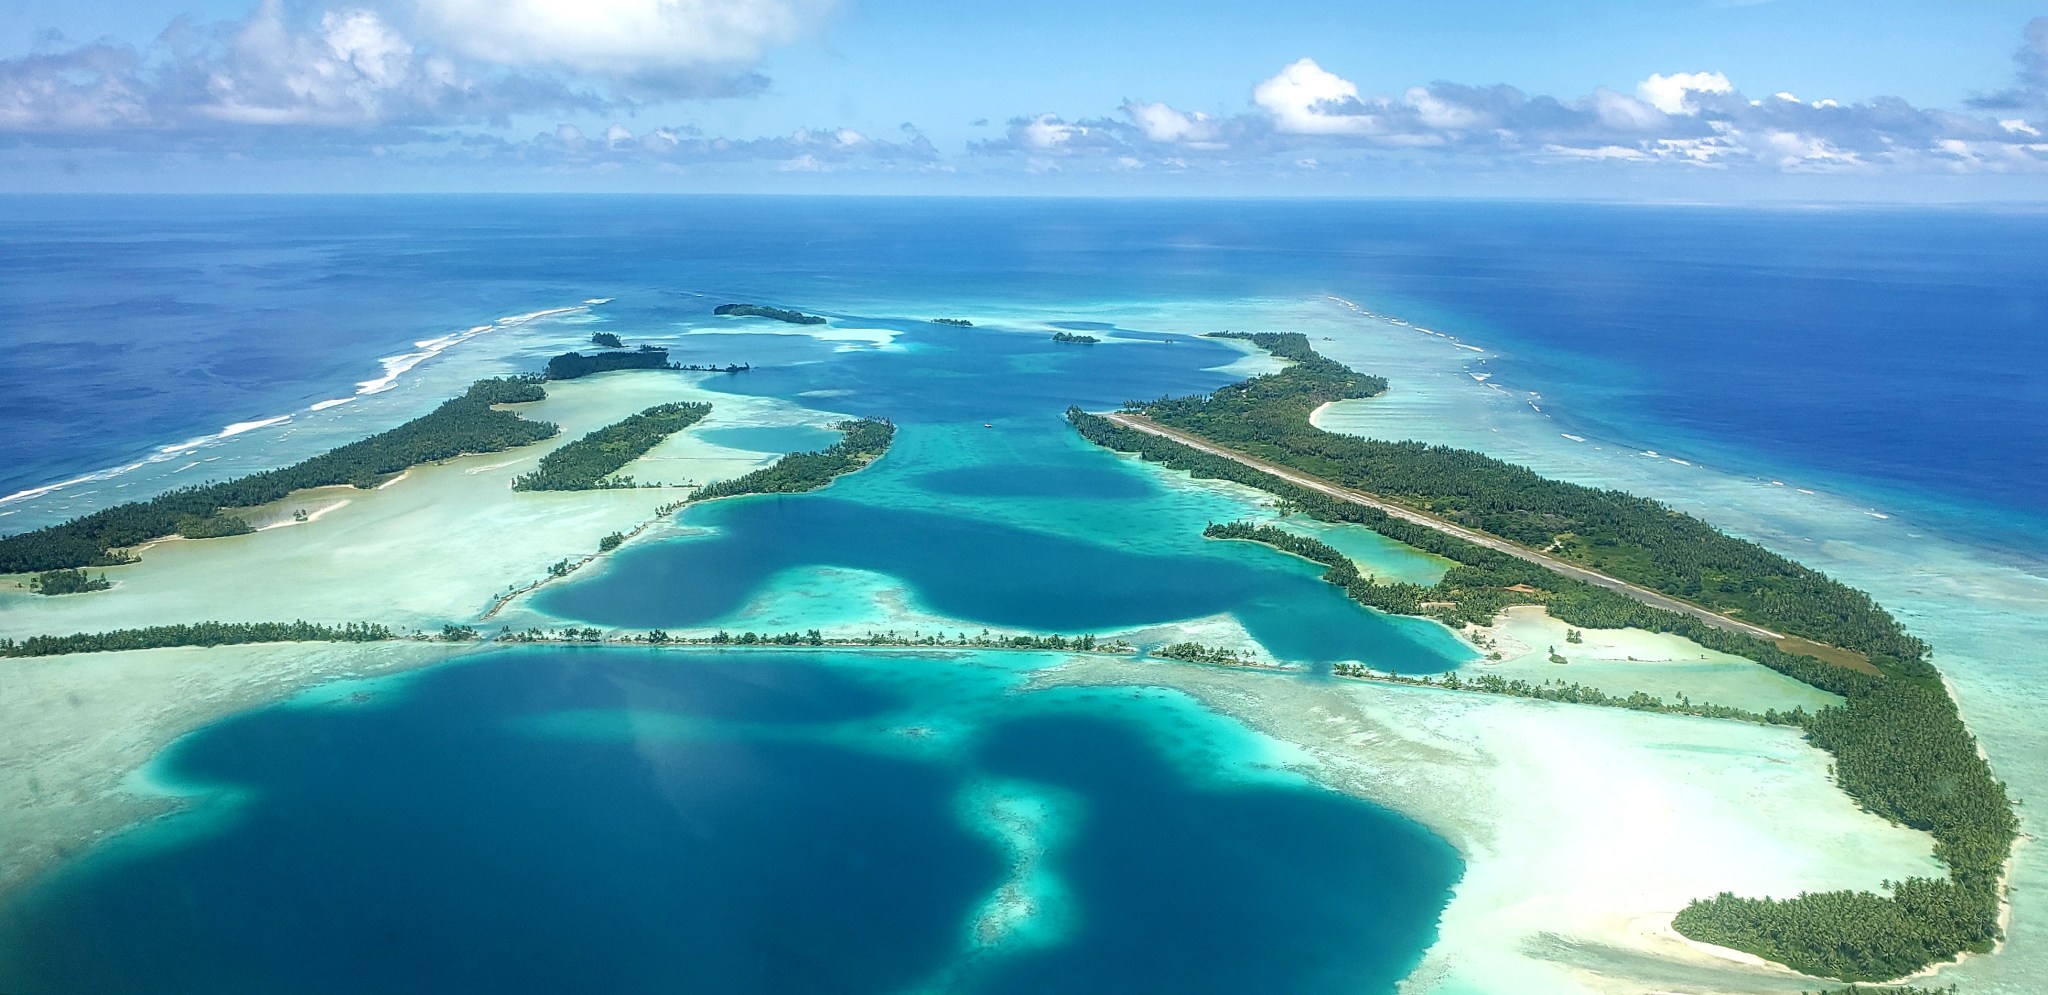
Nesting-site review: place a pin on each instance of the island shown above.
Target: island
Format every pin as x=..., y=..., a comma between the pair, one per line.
x=606, y=340
x=589, y=462
x=55, y=582
x=467, y=424
x=1074, y=338
x=865, y=440
x=570, y=365
x=1606, y=559
x=764, y=311
x=196, y=634
x=955, y=322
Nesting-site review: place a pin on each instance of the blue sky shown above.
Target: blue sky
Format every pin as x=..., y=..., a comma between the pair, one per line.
x=1675, y=100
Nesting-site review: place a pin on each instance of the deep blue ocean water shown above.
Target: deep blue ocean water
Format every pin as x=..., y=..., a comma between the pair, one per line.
x=555, y=820
x=1895, y=348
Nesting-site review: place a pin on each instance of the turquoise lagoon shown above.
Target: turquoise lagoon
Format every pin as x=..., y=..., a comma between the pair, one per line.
x=547, y=819
x=991, y=512
x=542, y=819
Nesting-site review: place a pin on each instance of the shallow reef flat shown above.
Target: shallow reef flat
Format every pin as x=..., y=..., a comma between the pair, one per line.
x=1583, y=829
x=78, y=730
x=1623, y=661
x=434, y=545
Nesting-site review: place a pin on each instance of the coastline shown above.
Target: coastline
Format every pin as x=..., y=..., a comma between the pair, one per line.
x=460, y=530
x=1588, y=955
x=81, y=728
x=1576, y=823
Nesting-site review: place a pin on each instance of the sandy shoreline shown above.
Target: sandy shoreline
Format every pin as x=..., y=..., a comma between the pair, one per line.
x=76, y=729
x=464, y=536
x=1583, y=829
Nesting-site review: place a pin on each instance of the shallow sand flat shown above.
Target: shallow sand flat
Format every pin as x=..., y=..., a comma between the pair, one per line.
x=1583, y=829
x=74, y=730
x=1943, y=570
x=1621, y=661
x=436, y=545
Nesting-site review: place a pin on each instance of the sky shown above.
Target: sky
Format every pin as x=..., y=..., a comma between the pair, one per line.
x=1660, y=100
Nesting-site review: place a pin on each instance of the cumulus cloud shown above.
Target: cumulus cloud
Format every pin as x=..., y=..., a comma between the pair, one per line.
x=1673, y=94
x=1694, y=119
x=2029, y=89
x=347, y=69
x=1306, y=99
x=91, y=88
x=351, y=67
x=1161, y=123
x=666, y=46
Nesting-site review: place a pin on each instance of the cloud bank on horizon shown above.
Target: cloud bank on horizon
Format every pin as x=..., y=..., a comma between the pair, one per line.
x=463, y=83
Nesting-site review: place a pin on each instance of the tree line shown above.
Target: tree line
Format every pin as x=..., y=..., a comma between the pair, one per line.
x=589, y=462
x=863, y=441
x=460, y=426
x=195, y=634
x=1899, y=746
x=1636, y=539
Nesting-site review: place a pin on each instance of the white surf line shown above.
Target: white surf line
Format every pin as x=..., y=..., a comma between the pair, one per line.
x=394, y=367
x=1366, y=312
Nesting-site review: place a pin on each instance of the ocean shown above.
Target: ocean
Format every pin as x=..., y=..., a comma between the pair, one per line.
x=1861, y=389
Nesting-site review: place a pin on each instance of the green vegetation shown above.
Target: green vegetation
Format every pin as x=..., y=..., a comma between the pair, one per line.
x=213, y=526
x=955, y=322
x=1073, y=338
x=916, y=639
x=611, y=541
x=1900, y=749
x=1577, y=694
x=198, y=634
x=1341, y=570
x=764, y=311
x=1860, y=990
x=865, y=441
x=55, y=582
x=466, y=424
x=607, y=340
x=1199, y=653
x=570, y=365
x=589, y=462
x=1621, y=535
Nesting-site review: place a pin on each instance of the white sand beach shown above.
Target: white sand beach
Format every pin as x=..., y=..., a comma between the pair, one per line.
x=435, y=545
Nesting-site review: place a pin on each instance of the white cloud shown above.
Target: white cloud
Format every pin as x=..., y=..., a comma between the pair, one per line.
x=354, y=69
x=620, y=39
x=1161, y=123
x=1436, y=112
x=1306, y=99
x=1047, y=132
x=1673, y=94
x=1625, y=113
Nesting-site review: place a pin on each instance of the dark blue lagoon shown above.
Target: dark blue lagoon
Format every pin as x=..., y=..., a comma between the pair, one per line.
x=618, y=820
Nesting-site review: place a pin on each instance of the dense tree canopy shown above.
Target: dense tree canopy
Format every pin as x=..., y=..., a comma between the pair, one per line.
x=764, y=311
x=466, y=424
x=1900, y=747
x=197, y=634
x=570, y=365
x=589, y=462
x=865, y=441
